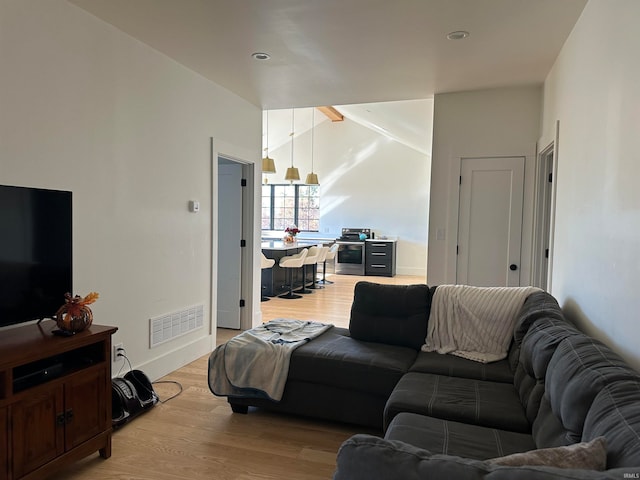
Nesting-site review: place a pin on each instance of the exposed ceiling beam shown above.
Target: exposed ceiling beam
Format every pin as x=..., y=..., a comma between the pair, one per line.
x=333, y=114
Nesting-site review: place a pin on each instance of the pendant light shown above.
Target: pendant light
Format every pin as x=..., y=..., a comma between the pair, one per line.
x=312, y=178
x=292, y=172
x=268, y=165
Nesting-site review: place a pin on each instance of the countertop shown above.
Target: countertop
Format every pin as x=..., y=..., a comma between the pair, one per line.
x=385, y=239
x=280, y=245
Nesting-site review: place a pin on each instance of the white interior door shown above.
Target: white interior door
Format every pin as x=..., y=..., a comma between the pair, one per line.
x=490, y=221
x=229, y=250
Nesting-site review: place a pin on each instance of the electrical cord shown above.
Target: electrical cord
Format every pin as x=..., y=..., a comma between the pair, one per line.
x=121, y=352
x=172, y=396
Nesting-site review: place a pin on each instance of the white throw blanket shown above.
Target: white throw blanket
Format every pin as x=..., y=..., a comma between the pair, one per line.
x=256, y=362
x=474, y=322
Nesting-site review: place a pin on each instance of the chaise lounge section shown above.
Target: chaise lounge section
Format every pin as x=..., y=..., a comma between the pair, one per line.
x=347, y=375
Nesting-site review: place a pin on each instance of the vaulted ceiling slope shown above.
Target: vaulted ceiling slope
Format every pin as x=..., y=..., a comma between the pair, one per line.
x=334, y=52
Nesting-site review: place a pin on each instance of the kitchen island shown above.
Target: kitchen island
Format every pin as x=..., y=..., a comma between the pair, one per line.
x=274, y=279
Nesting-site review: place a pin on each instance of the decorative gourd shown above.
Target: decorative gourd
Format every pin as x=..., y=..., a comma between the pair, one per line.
x=75, y=315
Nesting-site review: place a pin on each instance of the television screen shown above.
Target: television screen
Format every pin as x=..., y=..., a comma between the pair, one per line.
x=35, y=252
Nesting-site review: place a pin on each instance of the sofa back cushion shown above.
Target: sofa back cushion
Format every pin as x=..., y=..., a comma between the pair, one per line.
x=615, y=414
x=536, y=350
x=537, y=305
x=392, y=314
x=580, y=368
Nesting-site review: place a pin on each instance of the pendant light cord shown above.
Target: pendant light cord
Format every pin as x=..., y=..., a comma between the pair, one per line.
x=266, y=150
x=293, y=114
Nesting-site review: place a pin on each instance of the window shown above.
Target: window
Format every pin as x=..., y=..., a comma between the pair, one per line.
x=285, y=205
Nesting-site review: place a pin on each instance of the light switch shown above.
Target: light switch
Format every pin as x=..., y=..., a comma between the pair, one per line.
x=194, y=206
x=440, y=234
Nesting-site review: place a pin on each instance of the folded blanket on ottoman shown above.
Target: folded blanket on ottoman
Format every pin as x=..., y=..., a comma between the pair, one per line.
x=256, y=362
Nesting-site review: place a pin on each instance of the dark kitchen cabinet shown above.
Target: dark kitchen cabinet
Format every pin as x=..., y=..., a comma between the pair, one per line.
x=380, y=258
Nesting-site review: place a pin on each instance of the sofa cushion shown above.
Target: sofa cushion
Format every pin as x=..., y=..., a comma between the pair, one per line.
x=587, y=455
x=578, y=370
x=338, y=360
x=443, y=364
x=490, y=404
x=455, y=438
x=365, y=457
x=537, y=305
x=615, y=414
x=536, y=350
x=390, y=314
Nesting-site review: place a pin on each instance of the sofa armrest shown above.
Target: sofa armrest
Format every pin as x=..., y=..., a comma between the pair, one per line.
x=366, y=457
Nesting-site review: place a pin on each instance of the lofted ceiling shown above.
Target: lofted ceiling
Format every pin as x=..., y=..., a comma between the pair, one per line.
x=337, y=52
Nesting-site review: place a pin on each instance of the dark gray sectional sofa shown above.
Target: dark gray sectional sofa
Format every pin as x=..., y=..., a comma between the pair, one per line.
x=443, y=416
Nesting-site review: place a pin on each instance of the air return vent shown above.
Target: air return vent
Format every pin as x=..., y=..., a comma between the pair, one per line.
x=171, y=325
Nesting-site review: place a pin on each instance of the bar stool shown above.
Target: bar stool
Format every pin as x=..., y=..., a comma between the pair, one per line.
x=331, y=255
x=290, y=262
x=311, y=259
x=322, y=255
x=266, y=263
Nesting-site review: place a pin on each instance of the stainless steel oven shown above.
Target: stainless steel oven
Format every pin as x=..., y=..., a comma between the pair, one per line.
x=350, y=254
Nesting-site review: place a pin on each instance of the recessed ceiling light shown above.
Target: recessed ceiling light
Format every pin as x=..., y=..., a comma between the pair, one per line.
x=261, y=56
x=459, y=35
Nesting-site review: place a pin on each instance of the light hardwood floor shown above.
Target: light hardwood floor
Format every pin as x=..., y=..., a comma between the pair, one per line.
x=196, y=436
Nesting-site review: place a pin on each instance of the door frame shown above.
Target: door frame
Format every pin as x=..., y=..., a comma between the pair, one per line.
x=250, y=282
x=541, y=216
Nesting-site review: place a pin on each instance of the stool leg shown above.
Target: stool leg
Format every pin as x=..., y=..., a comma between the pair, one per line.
x=314, y=284
x=324, y=280
x=303, y=288
x=290, y=295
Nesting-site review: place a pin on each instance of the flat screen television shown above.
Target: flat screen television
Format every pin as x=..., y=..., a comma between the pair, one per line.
x=35, y=252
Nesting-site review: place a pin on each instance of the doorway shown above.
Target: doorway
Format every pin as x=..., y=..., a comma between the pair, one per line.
x=234, y=204
x=545, y=184
x=490, y=221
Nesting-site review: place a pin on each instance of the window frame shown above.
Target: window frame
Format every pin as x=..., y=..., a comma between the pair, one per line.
x=296, y=207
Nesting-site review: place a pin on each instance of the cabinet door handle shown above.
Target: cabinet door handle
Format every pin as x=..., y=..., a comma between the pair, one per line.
x=379, y=254
x=68, y=416
x=378, y=266
x=379, y=245
x=60, y=419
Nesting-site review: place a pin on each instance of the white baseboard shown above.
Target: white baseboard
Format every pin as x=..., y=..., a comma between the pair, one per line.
x=418, y=271
x=170, y=361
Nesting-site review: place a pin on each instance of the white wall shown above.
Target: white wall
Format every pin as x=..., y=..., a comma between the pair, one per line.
x=593, y=91
x=89, y=109
x=367, y=180
x=485, y=123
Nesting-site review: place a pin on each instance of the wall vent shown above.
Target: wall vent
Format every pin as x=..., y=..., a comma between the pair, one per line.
x=171, y=325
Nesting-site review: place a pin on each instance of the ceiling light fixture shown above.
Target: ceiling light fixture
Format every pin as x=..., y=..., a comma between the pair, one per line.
x=312, y=178
x=268, y=165
x=292, y=172
x=261, y=56
x=457, y=35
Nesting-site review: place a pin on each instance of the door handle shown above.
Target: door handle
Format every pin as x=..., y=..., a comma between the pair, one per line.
x=513, y=267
